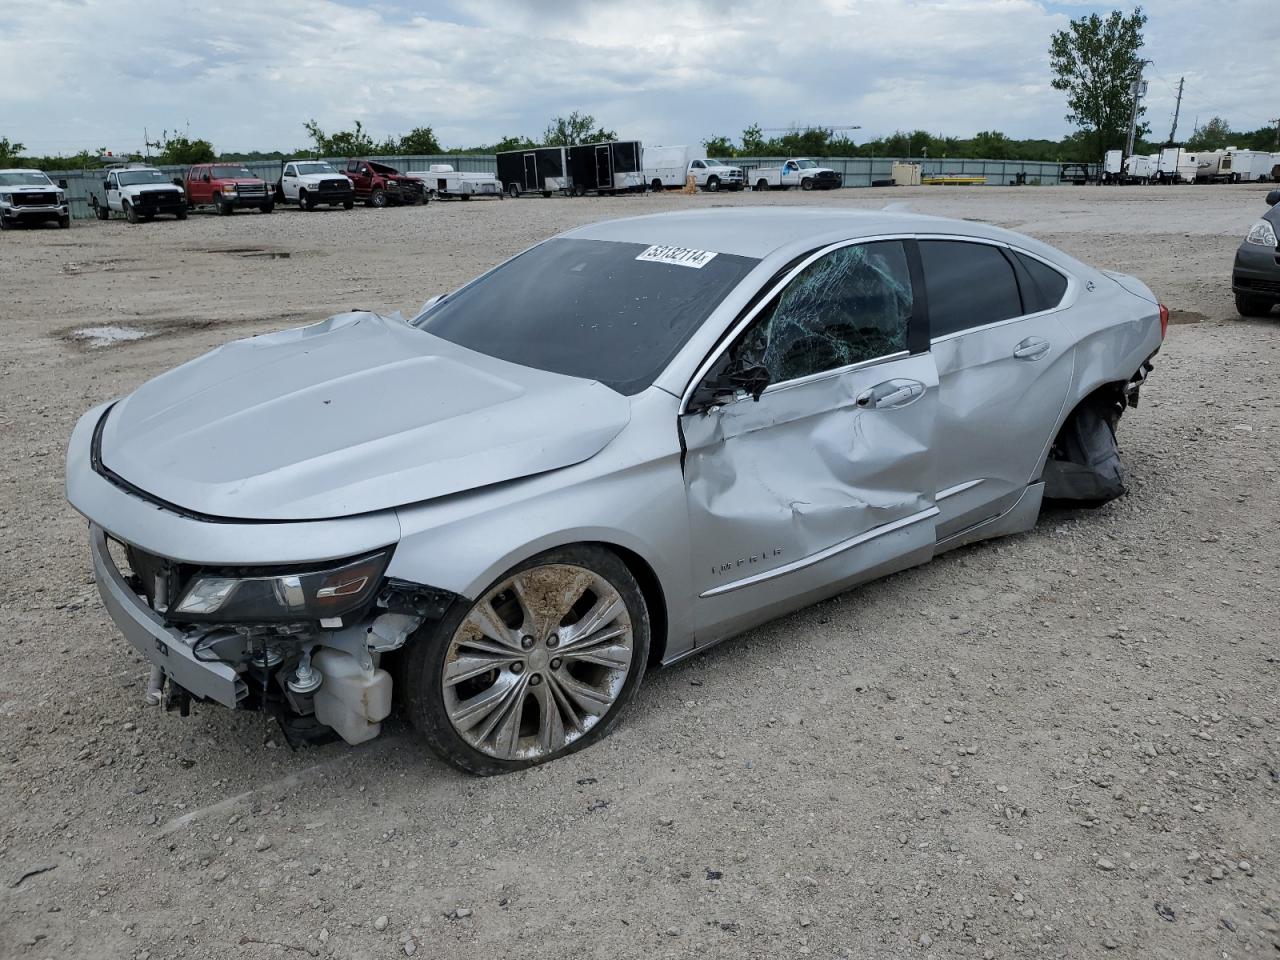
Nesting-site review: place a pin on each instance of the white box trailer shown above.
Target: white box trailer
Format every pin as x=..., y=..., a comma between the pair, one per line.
x=1250, y=166
x=905, y=174
x=1140, y=169
x=1175, y=165
x=1112, y=166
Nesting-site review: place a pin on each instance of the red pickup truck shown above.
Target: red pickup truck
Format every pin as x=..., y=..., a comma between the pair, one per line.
x=225, y=186
x=378, y=184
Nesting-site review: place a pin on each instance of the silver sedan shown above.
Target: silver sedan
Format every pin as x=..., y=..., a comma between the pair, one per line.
x=625, y=444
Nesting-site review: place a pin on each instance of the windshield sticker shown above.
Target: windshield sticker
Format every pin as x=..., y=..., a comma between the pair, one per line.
x=677, y=256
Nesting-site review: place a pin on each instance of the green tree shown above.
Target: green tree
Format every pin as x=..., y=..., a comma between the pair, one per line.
x=343, y=143
x=179, y=149
x=507, y=143
x=991, y=145
x=753, y=142
x=719, y=147
x=1213, y=135
x=10, y=151
x=1095, y=62
x=420, y=141
x=574, y=129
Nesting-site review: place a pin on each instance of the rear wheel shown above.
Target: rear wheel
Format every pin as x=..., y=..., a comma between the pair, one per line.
x=539, y=667
x=1251, y=306
x=546, y=193
x=762, y=185
x=513, y=190
x=1084, y=468
x=656, y=186
x=101, y=211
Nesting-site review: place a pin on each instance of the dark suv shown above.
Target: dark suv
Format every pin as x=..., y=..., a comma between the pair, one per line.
x=1255, y=278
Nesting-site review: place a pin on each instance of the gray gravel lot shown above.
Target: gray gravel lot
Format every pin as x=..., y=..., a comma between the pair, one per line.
x=1064, y=744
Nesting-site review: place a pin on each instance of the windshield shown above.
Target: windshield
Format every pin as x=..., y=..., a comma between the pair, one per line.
x=589, y=308
x=315, y=166
x=233, y=173
x=720, y=163
x=129, y=178
x=25, y=178
x=805, y=164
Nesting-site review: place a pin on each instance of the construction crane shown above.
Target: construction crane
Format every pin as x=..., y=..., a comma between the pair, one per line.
x=796, y=128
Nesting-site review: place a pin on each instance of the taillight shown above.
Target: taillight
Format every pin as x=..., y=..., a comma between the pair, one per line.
x=1164, y=321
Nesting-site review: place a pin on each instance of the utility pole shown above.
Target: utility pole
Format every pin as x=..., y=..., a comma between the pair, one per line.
x=1276, y=121
x=1176, y=107
x=1136, y=89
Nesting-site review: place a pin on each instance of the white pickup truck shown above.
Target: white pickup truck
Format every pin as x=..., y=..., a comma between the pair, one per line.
x=800, y=172
x=139, y=192
x=309, y=183
x=666, y=167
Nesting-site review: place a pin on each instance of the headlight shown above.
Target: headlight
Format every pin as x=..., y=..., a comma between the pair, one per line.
x=229, y=188
x=6, y=198
x=62, y=197
x=1261, y=233
x=293, y=595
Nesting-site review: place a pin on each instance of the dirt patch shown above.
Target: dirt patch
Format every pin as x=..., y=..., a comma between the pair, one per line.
x=255, y=252
x=1186, y=316
x=97, y=337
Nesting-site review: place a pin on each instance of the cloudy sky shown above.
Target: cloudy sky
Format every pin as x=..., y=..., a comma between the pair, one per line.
x=246, y=73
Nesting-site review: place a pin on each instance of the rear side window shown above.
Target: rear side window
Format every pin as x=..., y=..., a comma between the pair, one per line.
x=1042, y=286
x=968, y=285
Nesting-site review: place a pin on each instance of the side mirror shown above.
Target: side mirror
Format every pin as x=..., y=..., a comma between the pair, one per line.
x=431, y=303
x=63, y=183
x=106, y=184
x=177, y=182
x=1273, y=198
x=735, y=381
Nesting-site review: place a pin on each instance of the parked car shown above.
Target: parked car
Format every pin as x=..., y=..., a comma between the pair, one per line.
x=28, y=196
x=139, y=192
x=311, y=183
x=801, y=172
x=1255, y=277
x=380, y=185
x=666, y=167
x=621, y=446
x=226, y=187
x=446, y=183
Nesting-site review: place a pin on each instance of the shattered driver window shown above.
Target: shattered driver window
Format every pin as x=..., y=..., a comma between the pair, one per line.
x=852, y=305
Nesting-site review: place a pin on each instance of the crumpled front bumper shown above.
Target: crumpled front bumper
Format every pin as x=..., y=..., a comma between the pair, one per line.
x=159, y=644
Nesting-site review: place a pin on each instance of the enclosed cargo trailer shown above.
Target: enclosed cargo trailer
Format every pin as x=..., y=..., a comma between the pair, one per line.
x=543, y=170
x=607, y=168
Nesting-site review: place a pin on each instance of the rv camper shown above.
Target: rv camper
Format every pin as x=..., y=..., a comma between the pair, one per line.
x=1176, y=166
x=543, y=170
x=1250, y=166
x=607, y=168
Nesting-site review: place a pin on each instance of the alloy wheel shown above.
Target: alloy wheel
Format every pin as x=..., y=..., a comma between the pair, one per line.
x=537, y=662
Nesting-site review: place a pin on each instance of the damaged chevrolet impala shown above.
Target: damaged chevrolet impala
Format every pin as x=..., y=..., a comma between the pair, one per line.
x=623, y=445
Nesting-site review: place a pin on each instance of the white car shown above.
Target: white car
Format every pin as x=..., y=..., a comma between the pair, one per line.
x=310, y=183
x=139, y=192
x=28, y=196
x=799, y=172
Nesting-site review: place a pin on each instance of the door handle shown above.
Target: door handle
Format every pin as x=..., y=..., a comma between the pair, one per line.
x=1032, y=348
x=890, y=395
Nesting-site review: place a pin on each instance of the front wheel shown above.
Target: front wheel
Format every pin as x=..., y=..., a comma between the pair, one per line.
x=181, y=214
x=1251, y=306
x=225, y=209
x=378, y=198
x=540, y=666
x=806, y=183
x=64, y=223
x=713, y=184
x=349, y=205
x=304, y=201
x=130, y=214
x=267, y=207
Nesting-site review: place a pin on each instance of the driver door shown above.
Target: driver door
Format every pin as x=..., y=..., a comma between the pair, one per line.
x=113, y=192
x=828, y=478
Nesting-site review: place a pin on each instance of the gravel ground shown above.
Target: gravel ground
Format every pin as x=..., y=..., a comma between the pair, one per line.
x=1063, y=744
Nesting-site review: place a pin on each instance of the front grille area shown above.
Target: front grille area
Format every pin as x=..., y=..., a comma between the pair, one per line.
x=159, y=198
x=252, y=189
x=34, y=199
x=334, y=186
x=1261, y=286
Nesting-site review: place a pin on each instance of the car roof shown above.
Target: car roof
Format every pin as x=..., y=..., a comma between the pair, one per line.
x=20, y=170
x=759, y=232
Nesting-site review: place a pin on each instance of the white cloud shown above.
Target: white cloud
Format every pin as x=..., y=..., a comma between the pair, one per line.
x=87, y=73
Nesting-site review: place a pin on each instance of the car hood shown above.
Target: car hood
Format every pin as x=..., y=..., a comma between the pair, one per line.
x=355, y=414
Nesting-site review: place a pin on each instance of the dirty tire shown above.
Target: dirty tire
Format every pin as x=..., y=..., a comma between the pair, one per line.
x=102, y=211
x=656, y=186
x=224, y=209
x=762, y=185
x=6, y=225
x=513, y=191
x=378, y=198
x=349, y=205
x=806, y=183
x=182, y=213
x=1250, y=306
x=713, y=184
x=64, y=223
x=267, y=207
x=1084, y=468
x=422, y=668
x=130, y=214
